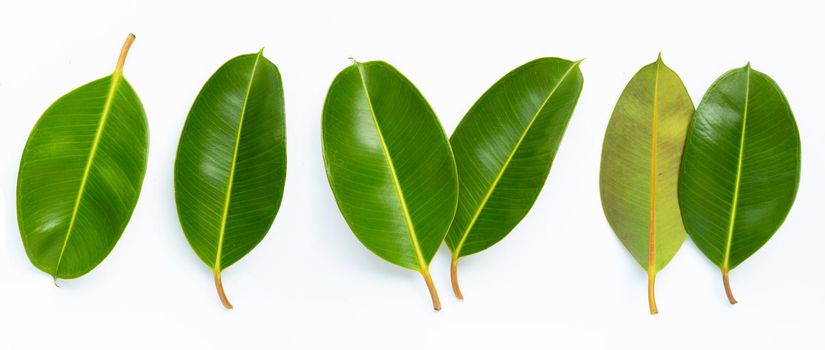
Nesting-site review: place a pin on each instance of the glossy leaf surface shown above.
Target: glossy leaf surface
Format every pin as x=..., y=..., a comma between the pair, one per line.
x=80, y=175
x=641, y=155
x=231, y=162
x=504, y=148
x=741, y=168
x=389, y=165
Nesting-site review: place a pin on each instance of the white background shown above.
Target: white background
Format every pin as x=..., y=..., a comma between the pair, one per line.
x=560, y=280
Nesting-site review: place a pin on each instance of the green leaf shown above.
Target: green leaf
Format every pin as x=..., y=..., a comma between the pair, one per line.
x=231, y=162
x=504, y=148
x=389, y=165
x=741, y=168
x=81, y=173
x=640, y=167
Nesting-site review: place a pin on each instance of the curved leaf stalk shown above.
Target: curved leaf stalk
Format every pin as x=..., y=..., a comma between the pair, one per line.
x=651, y=292
x=454, y=278
x=726, y=282
x=219, y=287
x=431, y=287
x=121, y=60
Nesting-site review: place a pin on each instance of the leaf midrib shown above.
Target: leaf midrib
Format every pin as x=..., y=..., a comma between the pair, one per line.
x=423, y=265
x=651, y=257
x=116, y=78
x=230, y=181
x=500, y=174
x=734, y=203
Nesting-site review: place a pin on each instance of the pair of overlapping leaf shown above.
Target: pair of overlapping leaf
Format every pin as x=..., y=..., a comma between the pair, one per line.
x=403, y=188
x=726, y=174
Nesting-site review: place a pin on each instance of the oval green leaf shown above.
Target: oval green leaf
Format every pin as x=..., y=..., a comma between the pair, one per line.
x=231, y=162
x=504, y=148
x=389, y=165
x=741, y=168
x=641, y=155
x=81, y=173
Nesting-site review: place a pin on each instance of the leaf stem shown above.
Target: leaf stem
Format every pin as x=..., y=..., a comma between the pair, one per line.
x=221, y=294
x=454, y=278
x=651, y=295
x=433, y=293
x=123, y=52
x=726, y=282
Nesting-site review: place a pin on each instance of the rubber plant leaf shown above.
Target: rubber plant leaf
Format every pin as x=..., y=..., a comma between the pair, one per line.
x=389, y=165
x=231, y=163
x=81, y=173
x=504, y=148
x=741, y=168
x=641, y=155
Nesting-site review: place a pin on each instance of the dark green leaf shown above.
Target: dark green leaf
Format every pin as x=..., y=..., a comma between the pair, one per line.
x=81, y=173
x=741, y=168
x=504, y=148
x=231, y=162
x=389, y=165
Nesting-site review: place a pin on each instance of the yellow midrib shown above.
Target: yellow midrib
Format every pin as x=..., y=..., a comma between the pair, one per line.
x=230, y=181
x=116, y=76
x=500, y=174
x=651, y=262
x=410, y=228
x=729, y=241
